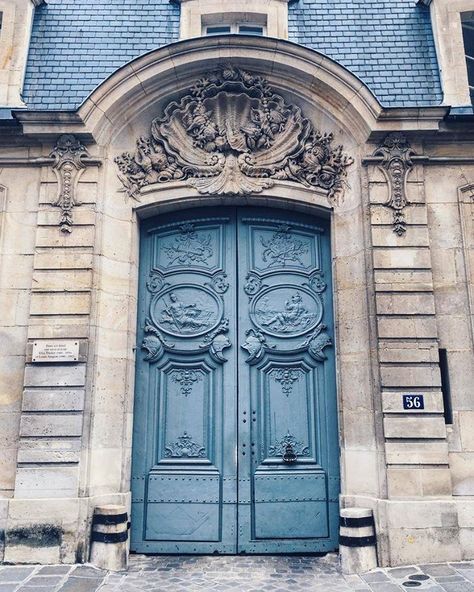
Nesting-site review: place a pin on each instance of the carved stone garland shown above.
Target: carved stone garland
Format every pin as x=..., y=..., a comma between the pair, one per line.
x=68, y=155
x=396, y=164
x=232, y=134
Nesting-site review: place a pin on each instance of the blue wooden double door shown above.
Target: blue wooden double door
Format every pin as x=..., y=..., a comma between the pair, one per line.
x=235, y=445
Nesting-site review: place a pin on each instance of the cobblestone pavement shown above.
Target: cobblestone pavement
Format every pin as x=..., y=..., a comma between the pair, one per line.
x=240, y=573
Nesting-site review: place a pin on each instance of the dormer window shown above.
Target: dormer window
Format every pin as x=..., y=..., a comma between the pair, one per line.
x=467, y=22
x=230, y=26
x=236, y=29
x=213, y=17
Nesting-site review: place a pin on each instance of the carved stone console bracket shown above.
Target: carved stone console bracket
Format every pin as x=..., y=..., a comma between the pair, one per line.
x=233, y=134
x=69, y=155
x=396, y=163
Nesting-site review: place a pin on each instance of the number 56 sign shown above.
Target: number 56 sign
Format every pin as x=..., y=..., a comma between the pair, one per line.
x=413, y=402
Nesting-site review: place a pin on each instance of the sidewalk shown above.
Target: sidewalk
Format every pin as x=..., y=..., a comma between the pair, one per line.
x=240, y=573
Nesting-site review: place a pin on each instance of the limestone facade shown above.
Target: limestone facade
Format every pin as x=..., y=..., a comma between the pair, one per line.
x=403, y=262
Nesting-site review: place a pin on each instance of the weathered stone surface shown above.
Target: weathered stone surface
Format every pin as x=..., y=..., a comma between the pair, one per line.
x=410, y=258
x=55, y=375
x=60, y=303
x=410, y=375
x=416, y=453
x=62, y=280
x=405, y=304
x=53, y=400
x=414, y=427
x=48, y=425
x=401, y=327
x=61, y=259
x=46, y=482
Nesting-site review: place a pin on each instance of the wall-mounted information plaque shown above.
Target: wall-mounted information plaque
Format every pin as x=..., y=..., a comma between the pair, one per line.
x=49, y=351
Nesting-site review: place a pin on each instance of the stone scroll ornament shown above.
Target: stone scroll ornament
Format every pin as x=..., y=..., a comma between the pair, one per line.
x=68, y=155
x=396, y=164
x=232, y=134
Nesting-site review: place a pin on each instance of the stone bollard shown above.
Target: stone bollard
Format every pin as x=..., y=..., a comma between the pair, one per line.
x=109, y=549
x=357, y=540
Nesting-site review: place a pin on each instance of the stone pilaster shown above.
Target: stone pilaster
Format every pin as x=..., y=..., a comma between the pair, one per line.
x=415, y=439
x=53, y=398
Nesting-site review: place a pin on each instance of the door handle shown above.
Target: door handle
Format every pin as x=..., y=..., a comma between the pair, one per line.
x=289, y=456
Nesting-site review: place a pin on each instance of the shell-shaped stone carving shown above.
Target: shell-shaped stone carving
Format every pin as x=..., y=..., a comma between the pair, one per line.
x=234, y=135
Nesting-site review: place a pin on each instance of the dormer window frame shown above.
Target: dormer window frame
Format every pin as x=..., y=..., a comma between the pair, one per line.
x=233, y=23
x=234, y=29
x=197, y=15
x=15, y=33
x=446, y=18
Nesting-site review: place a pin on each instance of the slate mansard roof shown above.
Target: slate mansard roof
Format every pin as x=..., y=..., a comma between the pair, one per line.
x=76, y=45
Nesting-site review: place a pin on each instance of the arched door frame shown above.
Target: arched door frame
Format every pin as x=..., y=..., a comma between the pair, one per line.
x=116, y=114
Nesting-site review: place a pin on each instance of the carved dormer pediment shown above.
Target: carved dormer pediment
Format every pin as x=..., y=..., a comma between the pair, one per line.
x=233, y=134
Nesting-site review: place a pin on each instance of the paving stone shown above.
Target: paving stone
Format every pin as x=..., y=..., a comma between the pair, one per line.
x=74, y=584
x=468, y=573
x=437, y=569
x=15, y=573
x=402, y=572
x=54, y=569
x=375, y=576
x=88, y=571
x=8, y=587
x=27, y=587
x=457, y=587
x=385, y=587
x=44, y=580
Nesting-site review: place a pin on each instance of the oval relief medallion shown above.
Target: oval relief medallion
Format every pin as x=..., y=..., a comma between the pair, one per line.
x=286, y=312
x=186, y=311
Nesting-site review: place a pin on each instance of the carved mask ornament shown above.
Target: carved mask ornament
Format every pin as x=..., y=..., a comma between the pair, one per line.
x=232, y=134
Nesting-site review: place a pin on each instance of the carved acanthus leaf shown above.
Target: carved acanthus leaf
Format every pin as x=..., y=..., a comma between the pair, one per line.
x=396, y=164
x=68, y=155
x=232, y=134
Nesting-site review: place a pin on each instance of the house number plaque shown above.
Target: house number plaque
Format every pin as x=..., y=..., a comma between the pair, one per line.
x=413, y=402
x=51, y=351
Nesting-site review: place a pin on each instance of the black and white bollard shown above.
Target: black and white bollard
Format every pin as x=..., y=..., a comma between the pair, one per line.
x=109, y=547
x=357, y=542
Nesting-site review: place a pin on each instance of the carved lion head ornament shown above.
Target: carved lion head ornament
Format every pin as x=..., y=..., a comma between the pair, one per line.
x=232, y=134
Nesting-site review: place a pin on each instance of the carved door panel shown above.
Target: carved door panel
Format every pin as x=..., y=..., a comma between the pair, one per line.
x=288, y=443
x=235, y=423
x=184, y=465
